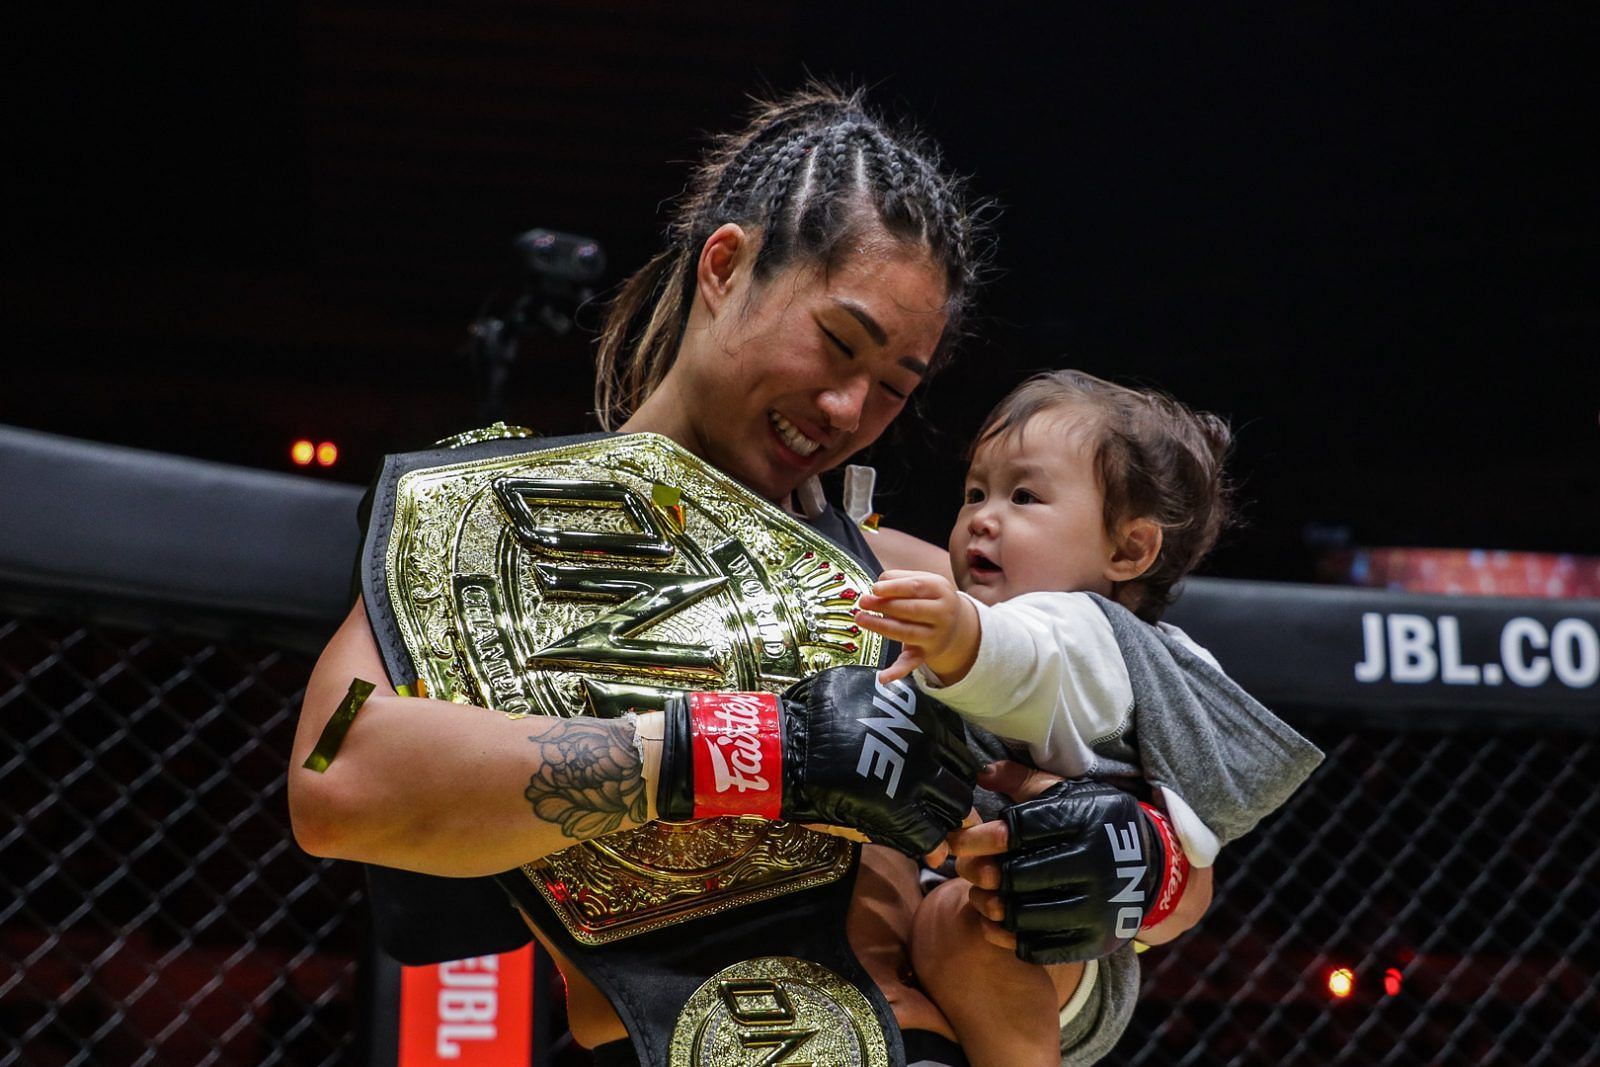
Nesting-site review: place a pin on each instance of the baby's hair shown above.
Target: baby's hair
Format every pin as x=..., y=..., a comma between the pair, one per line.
x=810, y=174
x=1155, y=458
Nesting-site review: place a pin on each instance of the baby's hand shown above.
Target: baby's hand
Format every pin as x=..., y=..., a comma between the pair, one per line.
x=925, y=613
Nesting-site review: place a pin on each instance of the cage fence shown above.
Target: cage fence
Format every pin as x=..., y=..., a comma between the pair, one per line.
x=1451, y=875
x=157, y=911
x=155, y=907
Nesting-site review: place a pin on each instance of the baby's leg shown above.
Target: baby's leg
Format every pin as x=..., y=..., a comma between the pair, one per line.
x=1005, y=1012
x=878, y=926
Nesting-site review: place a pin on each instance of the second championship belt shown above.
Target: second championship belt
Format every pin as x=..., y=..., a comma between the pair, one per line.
x=592, y=577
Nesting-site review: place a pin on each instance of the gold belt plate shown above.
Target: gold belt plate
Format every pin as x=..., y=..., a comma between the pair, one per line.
x=777, y=1009
x=594, y=578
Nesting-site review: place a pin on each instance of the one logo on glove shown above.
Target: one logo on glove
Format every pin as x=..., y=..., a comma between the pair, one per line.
x=738, y=755
x=1125, y=848
x=883, y=751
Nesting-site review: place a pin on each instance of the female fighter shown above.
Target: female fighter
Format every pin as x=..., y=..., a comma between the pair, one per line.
x=817, y=272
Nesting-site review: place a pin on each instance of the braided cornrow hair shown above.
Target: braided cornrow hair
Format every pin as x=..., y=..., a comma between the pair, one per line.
x=808, y=172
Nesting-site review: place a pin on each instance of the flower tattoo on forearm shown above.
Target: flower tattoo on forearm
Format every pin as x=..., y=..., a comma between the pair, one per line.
x=588, y=780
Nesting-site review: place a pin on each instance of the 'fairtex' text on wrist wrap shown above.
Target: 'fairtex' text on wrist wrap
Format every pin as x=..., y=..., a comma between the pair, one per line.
x=1174, y=874
x=738, y=754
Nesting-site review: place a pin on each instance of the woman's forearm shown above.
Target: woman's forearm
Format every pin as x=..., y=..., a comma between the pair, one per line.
x=432, y=786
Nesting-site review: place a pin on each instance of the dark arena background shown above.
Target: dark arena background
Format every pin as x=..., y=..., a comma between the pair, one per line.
x=245, y=243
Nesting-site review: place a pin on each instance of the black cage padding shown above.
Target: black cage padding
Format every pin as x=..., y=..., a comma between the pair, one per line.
x=120, y=522
x=132, y=525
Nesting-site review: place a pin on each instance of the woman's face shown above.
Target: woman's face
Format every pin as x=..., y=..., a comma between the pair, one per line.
x=792, y=376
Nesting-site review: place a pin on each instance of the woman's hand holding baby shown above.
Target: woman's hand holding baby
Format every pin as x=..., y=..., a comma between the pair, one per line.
x=1051, y=877
x=923, y=611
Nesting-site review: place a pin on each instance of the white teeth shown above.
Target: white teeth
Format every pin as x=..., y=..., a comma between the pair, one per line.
x=792, y=437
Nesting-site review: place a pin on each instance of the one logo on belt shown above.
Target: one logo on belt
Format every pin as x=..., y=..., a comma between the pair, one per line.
x=777, y=1011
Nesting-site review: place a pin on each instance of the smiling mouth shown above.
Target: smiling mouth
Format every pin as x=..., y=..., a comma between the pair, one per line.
x=790, y=435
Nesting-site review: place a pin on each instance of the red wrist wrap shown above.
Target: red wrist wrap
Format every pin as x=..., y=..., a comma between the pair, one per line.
x=1175, y=873
x=738, y=754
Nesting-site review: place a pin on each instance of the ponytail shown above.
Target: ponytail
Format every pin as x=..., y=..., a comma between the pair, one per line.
x=640, y=336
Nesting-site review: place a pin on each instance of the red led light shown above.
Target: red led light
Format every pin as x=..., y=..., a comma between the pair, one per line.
x=1391, y=981
x=302, y=452
x=327, y=454
x=1341, y=982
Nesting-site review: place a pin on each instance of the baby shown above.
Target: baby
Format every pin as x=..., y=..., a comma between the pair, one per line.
x=1085, y=504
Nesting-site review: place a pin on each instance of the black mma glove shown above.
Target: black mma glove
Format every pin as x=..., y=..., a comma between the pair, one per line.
x=836, y=748
x=1088, y=867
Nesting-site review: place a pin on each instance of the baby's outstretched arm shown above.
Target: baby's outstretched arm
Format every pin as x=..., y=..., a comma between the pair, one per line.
x=923, y=611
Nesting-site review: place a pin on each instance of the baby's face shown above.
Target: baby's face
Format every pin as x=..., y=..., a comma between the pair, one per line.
x=1033, y=517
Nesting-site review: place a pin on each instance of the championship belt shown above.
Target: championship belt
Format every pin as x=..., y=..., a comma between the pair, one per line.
x=598, y=576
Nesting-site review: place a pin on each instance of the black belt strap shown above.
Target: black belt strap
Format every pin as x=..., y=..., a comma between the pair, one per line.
x=648, y=977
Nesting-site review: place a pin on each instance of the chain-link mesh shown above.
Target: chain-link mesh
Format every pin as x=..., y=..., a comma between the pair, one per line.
x=154, y=908
x=157, y=911
x=1455, y=877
